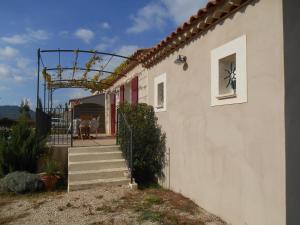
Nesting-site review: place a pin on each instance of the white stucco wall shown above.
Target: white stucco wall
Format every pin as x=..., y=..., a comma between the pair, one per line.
x=229, y=159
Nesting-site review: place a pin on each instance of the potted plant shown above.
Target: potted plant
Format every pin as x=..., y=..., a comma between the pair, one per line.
x=50, y=175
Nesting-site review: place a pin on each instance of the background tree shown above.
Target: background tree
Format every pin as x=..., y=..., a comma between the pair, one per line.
x=25, y=109
x=66, y=107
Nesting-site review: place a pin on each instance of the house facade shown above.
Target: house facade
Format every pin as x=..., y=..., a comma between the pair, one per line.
x=225, y=92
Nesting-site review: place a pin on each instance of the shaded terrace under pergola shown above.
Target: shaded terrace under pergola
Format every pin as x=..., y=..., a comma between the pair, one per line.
x=64, y=68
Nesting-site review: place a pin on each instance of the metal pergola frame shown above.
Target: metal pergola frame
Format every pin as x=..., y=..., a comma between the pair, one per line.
x=71, y=83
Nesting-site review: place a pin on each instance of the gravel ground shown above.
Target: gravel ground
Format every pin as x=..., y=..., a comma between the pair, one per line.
x=104, y=205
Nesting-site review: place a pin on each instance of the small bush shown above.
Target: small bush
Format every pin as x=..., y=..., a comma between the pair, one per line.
x=20, y=183
x=51, y=167
x=5, y=133
x=20, y=152
x=148, y=142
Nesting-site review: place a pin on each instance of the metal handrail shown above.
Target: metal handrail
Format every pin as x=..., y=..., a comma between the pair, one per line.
x=129, y=127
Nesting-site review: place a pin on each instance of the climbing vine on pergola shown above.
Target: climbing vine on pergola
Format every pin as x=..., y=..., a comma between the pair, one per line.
x=97, y=73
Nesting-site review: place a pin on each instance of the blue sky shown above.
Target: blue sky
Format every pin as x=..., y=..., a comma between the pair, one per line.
x=117, y=26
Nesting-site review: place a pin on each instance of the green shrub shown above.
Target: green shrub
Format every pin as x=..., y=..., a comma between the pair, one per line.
x=5, y=133
x=148, y=142
x=20, y=183
x=20, y=152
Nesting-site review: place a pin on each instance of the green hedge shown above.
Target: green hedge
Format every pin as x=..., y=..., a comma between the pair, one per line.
x=6, y=122
x=148, y=142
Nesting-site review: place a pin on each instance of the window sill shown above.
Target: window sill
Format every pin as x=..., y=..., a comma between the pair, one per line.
x=160, y=109
x=226, y=96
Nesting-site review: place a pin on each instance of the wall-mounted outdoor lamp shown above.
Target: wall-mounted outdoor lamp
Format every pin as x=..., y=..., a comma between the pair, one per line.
x=181, y=59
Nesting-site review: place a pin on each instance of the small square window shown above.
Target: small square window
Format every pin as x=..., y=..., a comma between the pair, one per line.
x=227, y=77
x=160, y=98
x=228, y=73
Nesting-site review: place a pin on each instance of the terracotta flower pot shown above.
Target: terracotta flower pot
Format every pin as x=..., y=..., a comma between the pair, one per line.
x=49, y=181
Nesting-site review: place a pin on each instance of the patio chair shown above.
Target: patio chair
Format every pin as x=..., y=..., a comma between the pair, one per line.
x=84, y=126
x=95, y=125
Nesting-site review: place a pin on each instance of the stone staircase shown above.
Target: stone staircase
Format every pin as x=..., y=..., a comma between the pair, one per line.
x=93, y=166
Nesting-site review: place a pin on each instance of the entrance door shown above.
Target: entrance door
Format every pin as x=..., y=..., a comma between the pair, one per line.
x=113, y=113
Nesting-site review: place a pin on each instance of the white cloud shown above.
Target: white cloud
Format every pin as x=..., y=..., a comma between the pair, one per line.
x=127, y=50
x=85, y=35
x=9, y=73
x=38, y=34
x=15, y=39
x=63, y=33
x=30, y=35
x=155, y=14
x=23, y=63
x=180, y=10
x=5, y=71
x=150, y=16
x=106, y=43
x=17, y=71
x=8, y=52
x=105, y=25
x=18, y=79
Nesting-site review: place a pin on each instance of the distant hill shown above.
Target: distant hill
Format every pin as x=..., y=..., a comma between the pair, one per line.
x=12, y=112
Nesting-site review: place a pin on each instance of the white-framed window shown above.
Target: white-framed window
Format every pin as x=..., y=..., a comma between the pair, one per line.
x=229, y=73
x=160, y=93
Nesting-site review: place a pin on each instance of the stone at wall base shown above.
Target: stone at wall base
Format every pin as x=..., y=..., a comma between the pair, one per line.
x=133, y=185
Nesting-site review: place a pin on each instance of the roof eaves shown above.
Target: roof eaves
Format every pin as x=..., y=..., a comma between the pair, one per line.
x=214, y=12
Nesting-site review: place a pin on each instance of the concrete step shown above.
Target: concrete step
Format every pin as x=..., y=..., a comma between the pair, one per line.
x=96, y=165
x=92, y=156
x=80, y=185
x=86, y=175
x=106, y=148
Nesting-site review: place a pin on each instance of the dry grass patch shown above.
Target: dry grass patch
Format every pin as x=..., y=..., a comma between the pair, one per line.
x=8, y=219
x=118, y=206
x=31, y=196
x=4, y=202
x=107, y=208
x=99, y=197
x=37, y=204
x=156, y=205
x=167, y=217
x=176, y=201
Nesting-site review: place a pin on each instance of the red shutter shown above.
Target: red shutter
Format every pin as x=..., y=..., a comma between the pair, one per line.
x=134, y=90
x=122, y=94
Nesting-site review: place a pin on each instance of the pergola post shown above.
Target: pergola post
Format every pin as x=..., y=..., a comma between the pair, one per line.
x=38, y=78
